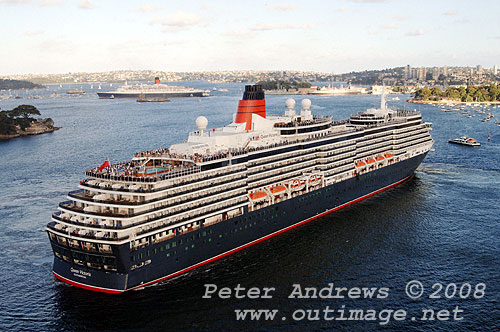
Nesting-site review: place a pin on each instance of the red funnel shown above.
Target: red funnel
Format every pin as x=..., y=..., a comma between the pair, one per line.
x=253, y=102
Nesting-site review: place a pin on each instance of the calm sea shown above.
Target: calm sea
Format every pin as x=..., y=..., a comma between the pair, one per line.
x=441, y=227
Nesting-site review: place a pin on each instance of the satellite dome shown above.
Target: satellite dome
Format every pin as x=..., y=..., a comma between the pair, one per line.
x=290, y=103
x=306, y=104
x=201, y=122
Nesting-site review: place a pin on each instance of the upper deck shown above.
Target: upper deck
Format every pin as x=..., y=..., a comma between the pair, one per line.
x=161, y=164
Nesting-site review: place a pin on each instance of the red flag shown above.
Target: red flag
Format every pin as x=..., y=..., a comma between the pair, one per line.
x=105, y=164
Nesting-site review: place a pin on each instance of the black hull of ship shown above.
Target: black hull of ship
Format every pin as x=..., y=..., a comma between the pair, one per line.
x=115, y=95
x=210, y=243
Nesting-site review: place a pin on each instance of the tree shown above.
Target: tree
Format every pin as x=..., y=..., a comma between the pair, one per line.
x=471, y=90
x=19, y=116
x=25, y=111
x=452, y=93
x=494, y=92
x=6, y=125
x=478, y=96
x=463, y=92
x=425, y=93
x=436, y=92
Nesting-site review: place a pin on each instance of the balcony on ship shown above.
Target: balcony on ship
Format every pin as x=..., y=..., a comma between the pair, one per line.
x=188, y=187
x=142, y=189
x=92, y=221
x=146, y=226
x=172, y=203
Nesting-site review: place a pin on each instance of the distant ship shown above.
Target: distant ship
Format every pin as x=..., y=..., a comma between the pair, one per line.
x=157, y=90
x=332, y=91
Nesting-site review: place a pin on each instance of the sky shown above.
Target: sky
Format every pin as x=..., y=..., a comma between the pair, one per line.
x=332, y=36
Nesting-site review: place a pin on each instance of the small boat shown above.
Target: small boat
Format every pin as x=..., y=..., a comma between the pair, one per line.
x=297, y=185
x=314, y=179
x=464, y=140
x=75, y=92
x=276, y=190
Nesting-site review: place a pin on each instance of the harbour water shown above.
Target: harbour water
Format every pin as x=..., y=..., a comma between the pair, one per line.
x=442, y=226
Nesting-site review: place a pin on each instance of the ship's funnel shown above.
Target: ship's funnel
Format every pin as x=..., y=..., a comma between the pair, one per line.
x=157, y=80
x=253, y=102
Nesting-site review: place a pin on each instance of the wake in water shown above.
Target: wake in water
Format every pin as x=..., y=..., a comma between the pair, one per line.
x=446, y=168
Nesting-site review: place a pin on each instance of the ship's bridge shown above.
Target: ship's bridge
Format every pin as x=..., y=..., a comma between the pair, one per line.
x=374, y=116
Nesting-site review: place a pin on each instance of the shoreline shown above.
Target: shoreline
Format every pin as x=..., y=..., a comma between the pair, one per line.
x=35, y=129
x=452, y=102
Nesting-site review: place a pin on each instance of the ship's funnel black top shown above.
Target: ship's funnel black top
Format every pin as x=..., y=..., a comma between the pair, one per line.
x=253, y=92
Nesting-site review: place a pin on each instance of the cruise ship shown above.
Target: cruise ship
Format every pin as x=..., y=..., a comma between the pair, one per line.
x=338, y=91
x=171, y=210
x=156, y=90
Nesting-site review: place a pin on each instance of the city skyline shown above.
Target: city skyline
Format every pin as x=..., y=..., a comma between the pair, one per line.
x=57, y=36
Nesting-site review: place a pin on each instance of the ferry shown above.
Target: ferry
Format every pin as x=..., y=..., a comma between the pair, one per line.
x=464, y=140
x=75, y=92
x=156, y=90
x=168, y=211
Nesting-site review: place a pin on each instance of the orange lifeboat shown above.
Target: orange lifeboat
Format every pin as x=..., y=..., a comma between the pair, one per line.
x=379, y=158
x=388, y=155
x=370, y=161
x=297, y=185
x=257, y=195
x=360, y=164
x=277, y=189
x=314, y=178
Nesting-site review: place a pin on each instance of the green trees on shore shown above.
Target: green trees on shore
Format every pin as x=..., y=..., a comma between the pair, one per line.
x=283, y=85
x=470, y=94
x=17, y=84
x=20, y=116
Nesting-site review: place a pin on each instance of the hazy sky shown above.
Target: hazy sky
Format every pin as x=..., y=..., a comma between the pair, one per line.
x=58, y=36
